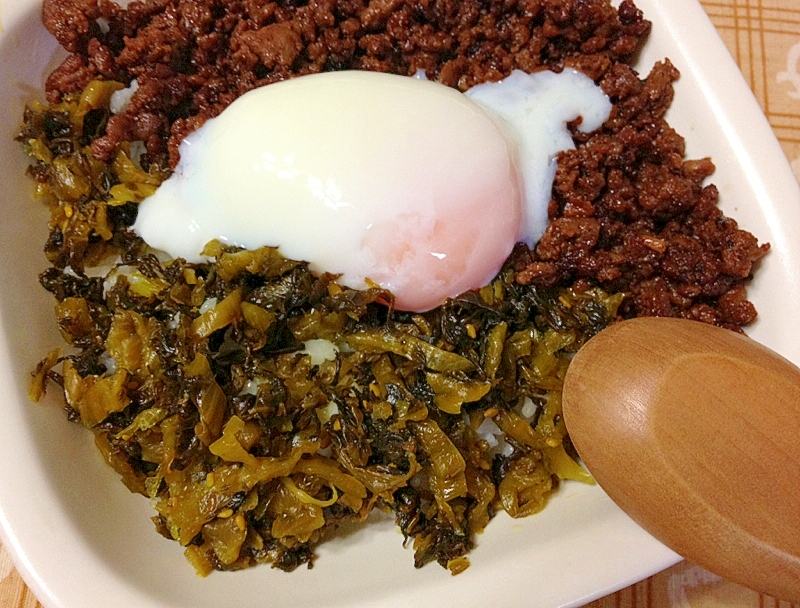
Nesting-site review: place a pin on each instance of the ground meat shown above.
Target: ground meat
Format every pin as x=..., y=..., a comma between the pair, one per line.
x=193, y=58
x=274, y=45
x=74, y=22
x=628, y=213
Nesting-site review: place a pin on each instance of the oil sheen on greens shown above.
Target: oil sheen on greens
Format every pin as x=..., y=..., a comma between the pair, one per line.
x=259, y=406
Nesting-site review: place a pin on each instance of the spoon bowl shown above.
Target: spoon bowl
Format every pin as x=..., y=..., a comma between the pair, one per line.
x=694, y=431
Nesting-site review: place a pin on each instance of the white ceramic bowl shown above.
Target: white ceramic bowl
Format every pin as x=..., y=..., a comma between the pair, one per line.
x=81, y=540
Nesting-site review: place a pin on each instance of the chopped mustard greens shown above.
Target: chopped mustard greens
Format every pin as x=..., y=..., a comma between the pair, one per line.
x=193, y=380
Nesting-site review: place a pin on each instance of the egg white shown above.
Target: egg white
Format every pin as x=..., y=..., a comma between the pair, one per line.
x=398, y=180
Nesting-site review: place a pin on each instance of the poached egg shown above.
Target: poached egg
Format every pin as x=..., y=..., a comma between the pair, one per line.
x=401, y=181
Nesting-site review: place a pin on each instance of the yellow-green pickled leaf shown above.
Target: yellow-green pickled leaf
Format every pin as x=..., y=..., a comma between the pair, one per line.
x=353, y=491
x=74, y=319
x=230, y=479
x=314, y=325
x=564, y=466
x=299, y=382
x=494, y=349
x=150, y=441
x=451, y=393
x=200, y=558
x=146, y=419
x=213, y=249
x=257, y=317
x=520, y=344
x=169, y=442
x=222, y=315
x=382, y=410
x=385, y=374
x=96, y=95
x=228, y=447
x=545, y=359
x=190, y=504
x=129, y=192
x=95, y=397
x=457, y=565
x=550, y=424
x=226, y=537
x=448, y=480
x=293, y=517
x=304, y=496
x=118, y=461
x=39, y=376
x=265, y=261
x=211, y=401
x=525, y=487
x=38, y=150
x=128, y=173
x=410, y=347
x=69, y=179
x=486, y=294
x=482, y=489
x=101, y=226
x=519, y=429
x=145, y=286
x=130, y=342
x=379, y=482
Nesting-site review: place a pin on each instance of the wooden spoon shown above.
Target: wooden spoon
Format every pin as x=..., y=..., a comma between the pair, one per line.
x=694, y=431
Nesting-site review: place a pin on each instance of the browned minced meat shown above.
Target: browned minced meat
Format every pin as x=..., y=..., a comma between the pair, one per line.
x=628, y=212
x=192, y=58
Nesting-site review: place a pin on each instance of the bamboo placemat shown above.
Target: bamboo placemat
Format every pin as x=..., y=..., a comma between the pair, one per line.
x=764, y=38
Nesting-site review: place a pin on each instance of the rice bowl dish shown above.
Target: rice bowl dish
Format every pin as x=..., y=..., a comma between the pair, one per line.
x=566, y=507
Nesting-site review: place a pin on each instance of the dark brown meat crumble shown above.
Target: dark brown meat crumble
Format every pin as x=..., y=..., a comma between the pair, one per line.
x=628, y=212
x=193, y=58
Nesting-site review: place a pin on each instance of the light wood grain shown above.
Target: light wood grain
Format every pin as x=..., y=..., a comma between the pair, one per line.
x=692, y=431
x=13, y=591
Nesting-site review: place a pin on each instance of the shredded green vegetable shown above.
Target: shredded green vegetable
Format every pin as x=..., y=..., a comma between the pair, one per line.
x=249, y=451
